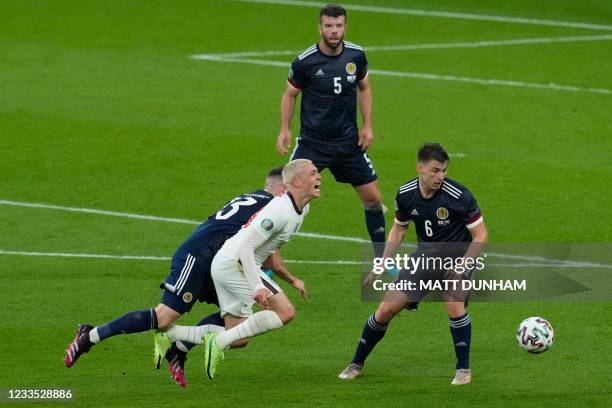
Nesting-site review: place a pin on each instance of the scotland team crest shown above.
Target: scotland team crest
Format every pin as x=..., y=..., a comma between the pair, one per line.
x=442, y=213
x=351, y=68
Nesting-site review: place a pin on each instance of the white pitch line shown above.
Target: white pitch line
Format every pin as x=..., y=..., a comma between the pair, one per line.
x=323, y=262
x=333, y=237
x=442, y=14
x=82, y=255
x=152, y=258
x=252, y=61
x=290, y=261
x=548, y=265
x=426, y=76
x=427, y=46
x=98, y=212
x=301, y=234
x=492, y=43
x=490, y=82
x=241, y=54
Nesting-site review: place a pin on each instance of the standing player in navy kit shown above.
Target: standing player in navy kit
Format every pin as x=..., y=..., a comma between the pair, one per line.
x=448, y=223
x=333, y=76
x=189, y=280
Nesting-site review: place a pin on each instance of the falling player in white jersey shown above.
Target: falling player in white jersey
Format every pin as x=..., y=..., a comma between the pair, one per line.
x=236, y=272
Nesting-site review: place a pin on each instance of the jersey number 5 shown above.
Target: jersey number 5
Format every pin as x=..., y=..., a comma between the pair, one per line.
x=337, y=85
x=233, y=207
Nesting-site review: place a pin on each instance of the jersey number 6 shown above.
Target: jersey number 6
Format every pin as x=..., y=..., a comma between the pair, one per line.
x=428, y=229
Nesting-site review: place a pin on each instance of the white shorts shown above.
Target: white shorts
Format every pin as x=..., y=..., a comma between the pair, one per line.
x=233, y=290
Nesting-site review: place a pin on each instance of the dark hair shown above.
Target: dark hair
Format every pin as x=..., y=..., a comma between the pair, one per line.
x=432, y=151
x=332, y=10
x=275, y=172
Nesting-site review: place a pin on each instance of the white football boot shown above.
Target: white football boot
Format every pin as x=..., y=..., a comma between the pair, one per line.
x=462, y=376
x=350, y=372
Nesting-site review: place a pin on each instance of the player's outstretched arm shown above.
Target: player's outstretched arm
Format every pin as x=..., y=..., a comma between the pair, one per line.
x=480, y=236
x=364, y=98
x=283, y=142
x=394, y=240
x=276, y=263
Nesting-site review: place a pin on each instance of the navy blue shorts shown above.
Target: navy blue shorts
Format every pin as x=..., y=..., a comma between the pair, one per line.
x=347, y=162
x=190, y=279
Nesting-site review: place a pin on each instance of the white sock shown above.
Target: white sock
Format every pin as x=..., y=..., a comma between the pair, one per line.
x=93, y=335
x=192, y=334
x=181, y=346
x=256, y=324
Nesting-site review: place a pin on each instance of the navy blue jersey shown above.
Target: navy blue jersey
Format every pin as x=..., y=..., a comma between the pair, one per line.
x=329, y=92
x=229, y=219
x=190, y=277
x=445, y=217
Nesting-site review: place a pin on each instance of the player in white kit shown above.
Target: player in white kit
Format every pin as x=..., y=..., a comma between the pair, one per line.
x=239, y=281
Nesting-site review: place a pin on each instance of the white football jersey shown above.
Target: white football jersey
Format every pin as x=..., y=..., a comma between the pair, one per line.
x=275, y=224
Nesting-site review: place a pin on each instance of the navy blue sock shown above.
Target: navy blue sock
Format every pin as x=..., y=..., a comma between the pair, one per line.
x=375, y=222
x=131, y=322
x=461, y=330
x=214, y=318
x=373, y=332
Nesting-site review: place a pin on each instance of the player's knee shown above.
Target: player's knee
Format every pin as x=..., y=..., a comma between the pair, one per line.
x=373, y=202
x=165, y=316
x=286, y=313
x=455, y=309
x=371, y=198
x=384, y=314
x=164, y=322
x=283, y=307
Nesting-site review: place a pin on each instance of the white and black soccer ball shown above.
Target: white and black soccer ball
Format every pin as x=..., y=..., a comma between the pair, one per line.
x=535, y=335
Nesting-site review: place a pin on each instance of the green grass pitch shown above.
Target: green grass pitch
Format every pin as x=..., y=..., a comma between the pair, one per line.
x=102, y=107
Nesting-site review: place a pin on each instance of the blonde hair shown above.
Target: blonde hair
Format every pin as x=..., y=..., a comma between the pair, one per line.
x=293, y=168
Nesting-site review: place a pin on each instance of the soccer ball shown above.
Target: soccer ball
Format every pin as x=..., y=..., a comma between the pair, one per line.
x=535, y=335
